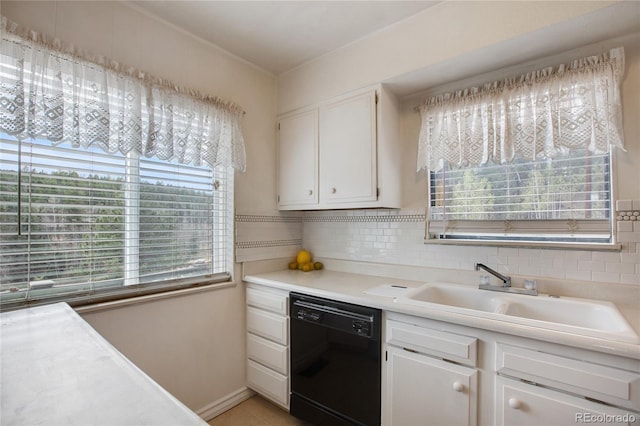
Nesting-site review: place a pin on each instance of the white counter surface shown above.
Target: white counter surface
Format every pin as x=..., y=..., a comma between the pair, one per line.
x=349, y=287
x=57, y=370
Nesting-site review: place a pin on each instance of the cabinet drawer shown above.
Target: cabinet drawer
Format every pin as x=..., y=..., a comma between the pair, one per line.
x=268, y=325
x=518, y=403
x=595, y=381
x=267, y=382
x=454, y=347
x=272, y=302
x=268, y=353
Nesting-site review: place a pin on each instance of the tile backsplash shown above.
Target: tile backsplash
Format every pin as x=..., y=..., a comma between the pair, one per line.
x=267, y=235
x=397, y=237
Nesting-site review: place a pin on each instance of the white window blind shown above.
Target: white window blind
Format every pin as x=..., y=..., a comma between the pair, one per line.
x=95, y=226
x=564, y=200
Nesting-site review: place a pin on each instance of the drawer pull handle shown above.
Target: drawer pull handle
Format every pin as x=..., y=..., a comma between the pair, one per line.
x=458, y=387
x=333, y=190
x=311, y=192
x=515, y=403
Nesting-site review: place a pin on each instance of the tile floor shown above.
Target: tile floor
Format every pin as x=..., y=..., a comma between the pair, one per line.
x=256, y=411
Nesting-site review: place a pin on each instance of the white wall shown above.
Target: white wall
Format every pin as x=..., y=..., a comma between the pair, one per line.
x=192, y=345
x=438, y=35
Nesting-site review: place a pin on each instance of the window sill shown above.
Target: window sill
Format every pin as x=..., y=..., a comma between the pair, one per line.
x=527, y=244
x=152, y=297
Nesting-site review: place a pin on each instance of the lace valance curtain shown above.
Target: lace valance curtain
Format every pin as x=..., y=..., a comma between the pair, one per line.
x=49, y=91
x=537, y=115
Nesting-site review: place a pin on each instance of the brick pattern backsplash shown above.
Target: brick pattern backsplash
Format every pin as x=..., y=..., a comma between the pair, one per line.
x=397, y=237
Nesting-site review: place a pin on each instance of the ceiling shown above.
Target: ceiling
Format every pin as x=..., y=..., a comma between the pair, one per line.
x=280, y=35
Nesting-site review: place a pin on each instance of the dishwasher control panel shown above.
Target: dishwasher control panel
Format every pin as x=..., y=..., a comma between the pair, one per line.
x=361, y=327
x=308, y=315
x=347, y=318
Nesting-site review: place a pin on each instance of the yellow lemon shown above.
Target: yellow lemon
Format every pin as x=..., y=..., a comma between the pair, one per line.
x=303, y=257
x=318, y=265
x=307, y=267
x=293, y=265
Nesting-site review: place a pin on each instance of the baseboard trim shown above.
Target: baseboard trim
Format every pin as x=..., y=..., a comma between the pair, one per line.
x=225, y=403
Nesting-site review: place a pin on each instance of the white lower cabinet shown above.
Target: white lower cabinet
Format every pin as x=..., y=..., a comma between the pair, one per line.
x=428, y=391
x=268, y=383
x=440, y=373
x=423, y=385
x=535, y=388
x=267, y=353
x=268, y=343
x=519, y=403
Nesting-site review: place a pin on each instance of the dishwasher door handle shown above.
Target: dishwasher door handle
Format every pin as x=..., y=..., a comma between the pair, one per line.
x=330, y=310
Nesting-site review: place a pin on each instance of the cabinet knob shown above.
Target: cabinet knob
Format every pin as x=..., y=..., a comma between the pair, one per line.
x=458, y=387
x=311, y=192
x=515, y=403
x=333, y=190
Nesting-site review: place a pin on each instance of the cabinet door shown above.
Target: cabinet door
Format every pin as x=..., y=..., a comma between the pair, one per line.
x=298, y=160
x=426, y=391
x=348, y=149
x=523, y=404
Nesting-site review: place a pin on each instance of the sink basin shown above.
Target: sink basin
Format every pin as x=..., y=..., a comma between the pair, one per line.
x=577, y=316
x=459, y=296
x=573, y=312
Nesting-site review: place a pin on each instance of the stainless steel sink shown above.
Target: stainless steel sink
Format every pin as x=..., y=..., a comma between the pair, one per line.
x=577, y=316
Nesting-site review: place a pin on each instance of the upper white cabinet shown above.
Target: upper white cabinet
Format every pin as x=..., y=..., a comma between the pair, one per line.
x=348, y=150
x=343, y=153
x=298, y=154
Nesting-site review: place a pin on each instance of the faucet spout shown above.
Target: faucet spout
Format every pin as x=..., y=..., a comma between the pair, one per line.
x=505, y=280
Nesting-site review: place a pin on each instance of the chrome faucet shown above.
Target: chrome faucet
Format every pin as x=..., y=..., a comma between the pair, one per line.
x=505, y=280
x=506, y=283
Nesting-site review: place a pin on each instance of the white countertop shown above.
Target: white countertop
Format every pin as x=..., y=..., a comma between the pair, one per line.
x=57, y=370
x=349, y=287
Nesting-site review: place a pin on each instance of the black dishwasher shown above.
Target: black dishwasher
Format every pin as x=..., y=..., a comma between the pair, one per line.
x=335, y=361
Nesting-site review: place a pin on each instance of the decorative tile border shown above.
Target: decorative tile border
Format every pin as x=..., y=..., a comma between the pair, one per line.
x=627, y=210
x=248, y=218
x=628, y=215
x=262, y=244
x=367, y=218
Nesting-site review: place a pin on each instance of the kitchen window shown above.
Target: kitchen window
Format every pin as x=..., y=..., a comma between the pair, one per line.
x=526, y=159
x=112, y=184
x=567, y=199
